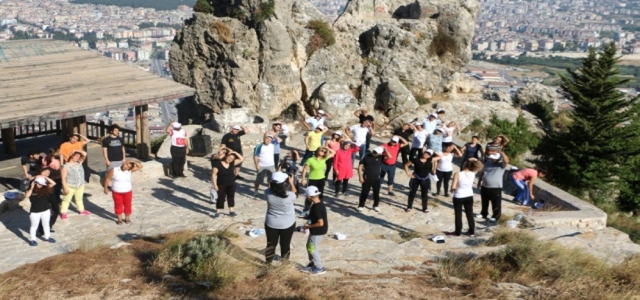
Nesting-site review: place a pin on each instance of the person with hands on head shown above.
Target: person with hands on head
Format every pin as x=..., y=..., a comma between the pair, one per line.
x=223, y=180
x=419, y=139
x=280, y=221
x=422, y=167
x=318, y=118
x=40, y=194
x=119, y=178
x=343, y=166
x=76, y=143
x=73, y=184
x=462, y=189
x=232, y=141
x=490, y=185
x=389, y=162
x=318, y=226
x=113, y=148
x=450, y=131
x=363, y=115
x=444, y=168
x=405, y=132
x=369, y=173
x=263, y=161
x=312, y=142
x=179, y=148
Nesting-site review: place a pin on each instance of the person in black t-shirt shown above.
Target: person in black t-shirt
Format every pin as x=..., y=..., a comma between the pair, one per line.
x=31, y=163
x=224, y=182
x=423, y=166
x=369, y=174
x=471, y=150
x=318, y=226
x=405, y=132
x=232, y=141
x=363, y=115
x=40, y=194
x=113, y=148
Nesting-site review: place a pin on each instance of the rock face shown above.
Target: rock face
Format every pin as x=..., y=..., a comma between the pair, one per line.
x=386, y=53
x=536, y=92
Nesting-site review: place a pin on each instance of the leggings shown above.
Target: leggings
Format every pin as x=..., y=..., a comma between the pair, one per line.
x=328, y=168
x=228, y=191
x=404, y=152
x=78, y=194
x=424, y=192
x=36, y=219
x=278, y=235
x=443, y=177
x=122, y=202
x=344, y=183
x=55, y=212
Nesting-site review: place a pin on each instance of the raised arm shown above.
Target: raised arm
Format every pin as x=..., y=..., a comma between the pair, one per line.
x=238, y=160
x=404, y=142
x=406, y=168
x=456, y=150
x=168, y=129
x=330, y=152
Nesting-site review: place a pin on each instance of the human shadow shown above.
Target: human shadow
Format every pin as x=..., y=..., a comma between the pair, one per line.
x=172, y=185
x=166, y=195
x=10, y=183
x=346, y=209
x=17, y=222
x=97, y=210
x=200, y=172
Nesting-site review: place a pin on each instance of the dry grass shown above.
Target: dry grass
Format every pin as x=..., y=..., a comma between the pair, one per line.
x=569, y=273
x=222, y=30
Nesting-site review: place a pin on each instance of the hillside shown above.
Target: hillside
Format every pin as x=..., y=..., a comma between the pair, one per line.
x=157, y=4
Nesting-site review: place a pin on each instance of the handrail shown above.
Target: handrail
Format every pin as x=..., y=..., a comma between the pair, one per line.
x=98, y=130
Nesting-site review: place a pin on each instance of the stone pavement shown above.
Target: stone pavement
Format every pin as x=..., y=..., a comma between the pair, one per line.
x=162, y=205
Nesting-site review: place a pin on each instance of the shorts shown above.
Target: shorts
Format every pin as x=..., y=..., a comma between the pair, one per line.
x=265, y=172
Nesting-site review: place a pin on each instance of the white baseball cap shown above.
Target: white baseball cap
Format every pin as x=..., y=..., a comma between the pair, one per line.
x=40, y=180
x=237, y=127
x=176, y=125
x=433, y=115
x=320, y=111
x=378, y=150
x=440, y=110
x=417, y=124
x=312, y=191
x=338, y=133
x=430, y=151
x=320, y=127
x=279, y=177
x=494, y=156
x=395, y=139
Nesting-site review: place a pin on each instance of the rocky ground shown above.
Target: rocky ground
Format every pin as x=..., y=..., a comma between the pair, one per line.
x=373, y=246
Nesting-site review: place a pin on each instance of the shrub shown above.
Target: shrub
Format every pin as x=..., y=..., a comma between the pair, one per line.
x=543, y=110
x=422, y=100
x=203, y=6
x=520, y=136
x=477, y=128
x=405, y=42
x=156, y=143
x=264, y=11
x=222, y=30
x=323, y=35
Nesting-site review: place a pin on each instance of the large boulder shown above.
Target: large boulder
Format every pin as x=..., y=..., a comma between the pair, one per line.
x=536, y=92
x=386, y=53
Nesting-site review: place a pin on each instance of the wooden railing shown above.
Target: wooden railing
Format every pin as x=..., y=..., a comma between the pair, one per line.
x=99, y=130
x=31, y=130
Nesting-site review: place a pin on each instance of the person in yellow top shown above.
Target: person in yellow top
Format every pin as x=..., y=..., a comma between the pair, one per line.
x=76, y=143
x=313, y=141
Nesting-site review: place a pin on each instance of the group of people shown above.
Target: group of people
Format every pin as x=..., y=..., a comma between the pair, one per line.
x=54, y=178
x=427, y=153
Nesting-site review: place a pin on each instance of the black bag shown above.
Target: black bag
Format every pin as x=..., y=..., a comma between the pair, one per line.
x=25, y=184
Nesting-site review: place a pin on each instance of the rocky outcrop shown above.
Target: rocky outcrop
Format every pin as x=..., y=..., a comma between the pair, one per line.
x=535, y=92
x=386, y=53
x=497, y=96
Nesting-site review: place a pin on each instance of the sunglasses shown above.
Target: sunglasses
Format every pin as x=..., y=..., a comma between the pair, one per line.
x=323, y=150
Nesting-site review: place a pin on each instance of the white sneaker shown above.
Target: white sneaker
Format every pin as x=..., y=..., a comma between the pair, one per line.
x=478, y=216
x=376, y=209
x=492, y=220
x=255, y=194
x=359, y=209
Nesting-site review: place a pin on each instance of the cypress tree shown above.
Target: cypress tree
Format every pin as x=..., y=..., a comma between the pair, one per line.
x=594, y=154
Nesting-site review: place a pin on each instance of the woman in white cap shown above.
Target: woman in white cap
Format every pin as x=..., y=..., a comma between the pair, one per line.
x=224, y=181
x=450, y=130
x=280, y=222
x=179, y=148
x=40, y=194
x=333, y=144
x=419, y=138
x=422, y=167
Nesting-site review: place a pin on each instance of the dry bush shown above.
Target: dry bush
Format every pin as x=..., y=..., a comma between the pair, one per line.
x=442, y=44
x=572, y=273
x=222, y=30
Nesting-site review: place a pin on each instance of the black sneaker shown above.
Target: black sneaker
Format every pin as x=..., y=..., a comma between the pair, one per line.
x=446, y=194
x=239, y=177
x=233, y=214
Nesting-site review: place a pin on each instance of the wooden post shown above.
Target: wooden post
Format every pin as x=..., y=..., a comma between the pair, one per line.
x=82, y=125
x=67, y=128
x=9, y=141
x=143, y=137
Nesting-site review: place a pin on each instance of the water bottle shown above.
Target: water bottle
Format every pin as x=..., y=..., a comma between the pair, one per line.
x=518, y=217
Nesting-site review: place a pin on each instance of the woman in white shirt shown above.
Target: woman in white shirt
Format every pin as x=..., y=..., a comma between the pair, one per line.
x=445, y=168
x=462, y=189
x=121, y=188
x=450, y=129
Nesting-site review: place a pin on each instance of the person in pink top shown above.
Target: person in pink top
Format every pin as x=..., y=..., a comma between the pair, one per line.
x=343, y=166
x=333, y=144
x=524, y=180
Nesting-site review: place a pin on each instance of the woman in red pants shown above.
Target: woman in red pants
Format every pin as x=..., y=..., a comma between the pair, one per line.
x=122, y=189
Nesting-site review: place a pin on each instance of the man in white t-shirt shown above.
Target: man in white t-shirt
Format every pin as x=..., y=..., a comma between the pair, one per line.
x=430, y=123
x=359, y=136
x=318, y=119
x=179, y=148
x=264, y=162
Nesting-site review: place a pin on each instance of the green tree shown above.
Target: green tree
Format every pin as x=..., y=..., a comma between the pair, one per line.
x=521, y=137
x=203, y=6
x=594, y=155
